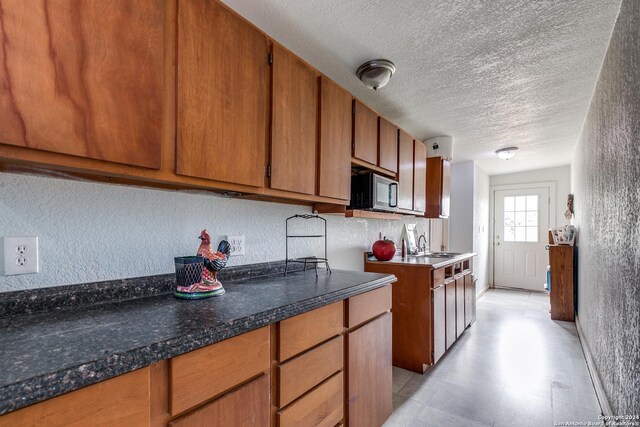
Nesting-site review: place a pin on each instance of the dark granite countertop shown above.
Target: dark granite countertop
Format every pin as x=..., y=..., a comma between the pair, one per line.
x=45, y=354
x=424, y=261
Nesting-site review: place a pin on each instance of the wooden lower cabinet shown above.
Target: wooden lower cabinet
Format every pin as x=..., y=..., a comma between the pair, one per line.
x=460, y=325
x=369, y=373
x=469, y=300
x=120, y=401
x=450, y=307
x=439, y=322
x=246, y=406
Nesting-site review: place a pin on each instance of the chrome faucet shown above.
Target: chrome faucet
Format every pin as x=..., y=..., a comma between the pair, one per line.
x=423, y=247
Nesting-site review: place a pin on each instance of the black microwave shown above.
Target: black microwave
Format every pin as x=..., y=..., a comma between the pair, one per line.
x=370, y=191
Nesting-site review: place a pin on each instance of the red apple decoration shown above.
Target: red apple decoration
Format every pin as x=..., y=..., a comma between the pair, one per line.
x=384, y=249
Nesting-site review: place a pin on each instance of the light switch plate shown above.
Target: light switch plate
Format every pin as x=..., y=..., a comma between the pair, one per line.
x=21, y=255
x=237, y=245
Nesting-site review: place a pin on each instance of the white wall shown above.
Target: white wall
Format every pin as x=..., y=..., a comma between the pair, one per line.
x=469, y=218
x=560, y=175
x=481, y=209
x=94, y=231
x=461, y=215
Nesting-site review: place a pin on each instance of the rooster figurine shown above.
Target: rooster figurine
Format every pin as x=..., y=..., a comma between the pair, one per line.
x=209, y=286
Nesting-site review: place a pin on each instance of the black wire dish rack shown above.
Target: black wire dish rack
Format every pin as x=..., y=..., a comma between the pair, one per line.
x=310, y=260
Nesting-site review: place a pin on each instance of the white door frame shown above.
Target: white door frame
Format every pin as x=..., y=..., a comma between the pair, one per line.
x=551, y=185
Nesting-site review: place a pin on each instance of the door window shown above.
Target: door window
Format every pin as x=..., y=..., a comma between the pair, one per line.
x=521, y=218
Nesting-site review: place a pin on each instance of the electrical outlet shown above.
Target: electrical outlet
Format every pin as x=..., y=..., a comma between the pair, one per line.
x=21, y=255
x=237, y=245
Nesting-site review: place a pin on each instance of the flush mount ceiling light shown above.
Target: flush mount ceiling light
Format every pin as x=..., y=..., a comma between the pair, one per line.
x=376, y=73
x=506, y=153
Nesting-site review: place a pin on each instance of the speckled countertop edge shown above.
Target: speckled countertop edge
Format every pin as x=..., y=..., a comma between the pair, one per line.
x=38, y=388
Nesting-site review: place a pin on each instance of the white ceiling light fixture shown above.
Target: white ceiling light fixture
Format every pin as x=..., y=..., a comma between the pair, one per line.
x=506, y=153
x=376, y=73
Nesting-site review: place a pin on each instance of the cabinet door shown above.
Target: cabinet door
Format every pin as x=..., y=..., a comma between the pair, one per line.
x=450, y=310
x=439, y=323
x=84, y=80
x=405, y=171
x=293, y=127
x=246, y=406
x=222, y=95
x=460, y=325
x=334, y=174
x=419, y=176
x=388, y=145
x=365, y=133
x=469, y=298
x=369, y=373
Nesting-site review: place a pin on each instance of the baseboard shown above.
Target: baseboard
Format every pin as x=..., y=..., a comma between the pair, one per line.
x=482, y=292
x=595, y=378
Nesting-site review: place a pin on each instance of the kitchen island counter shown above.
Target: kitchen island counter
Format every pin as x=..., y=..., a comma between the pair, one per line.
x=53, y=352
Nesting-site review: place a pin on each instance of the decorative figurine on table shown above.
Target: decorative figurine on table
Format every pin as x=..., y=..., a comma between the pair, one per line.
x=209, y=285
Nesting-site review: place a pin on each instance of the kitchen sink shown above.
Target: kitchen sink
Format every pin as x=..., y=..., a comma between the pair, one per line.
x=438, y=254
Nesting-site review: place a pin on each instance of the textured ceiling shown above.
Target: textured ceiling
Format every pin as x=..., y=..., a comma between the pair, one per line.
x=490, y=73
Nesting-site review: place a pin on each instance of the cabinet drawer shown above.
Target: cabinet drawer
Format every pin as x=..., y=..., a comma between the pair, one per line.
x=323, y=407
x=306, y=330
x=119, y=401
x=304, y=372
x=246, y=406
x=368, y=305
x=207, y=372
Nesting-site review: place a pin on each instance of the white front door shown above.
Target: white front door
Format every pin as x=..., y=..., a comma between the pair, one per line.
x=521, y=226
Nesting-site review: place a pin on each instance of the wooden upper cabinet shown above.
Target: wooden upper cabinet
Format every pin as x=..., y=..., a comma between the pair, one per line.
x=293, y=126
x=334, y=174
x=84, y=80
x=388, y=145
x=405, y=171
x=437, y=188
x=365, y=133
x=223, y=95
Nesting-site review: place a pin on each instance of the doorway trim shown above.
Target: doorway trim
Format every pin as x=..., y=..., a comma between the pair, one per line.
x=551, y=185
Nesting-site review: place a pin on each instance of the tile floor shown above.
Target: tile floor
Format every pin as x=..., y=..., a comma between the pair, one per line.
x=513, y=367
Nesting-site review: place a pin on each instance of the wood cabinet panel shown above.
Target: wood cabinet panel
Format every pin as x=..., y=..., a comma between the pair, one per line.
x=419, y=176
x=306, y=330
x=469, y=298
x=334, y=172
x=222, y=95
x=246, y=406
x=85, y=80
x=204, y=373
x=405, y=171
x=437, y=188
x=460, y=325
x=120, y=401
x=365, y=133
x=388, y=145
x=293, y=124
x=439, y=322
x=304, y=372
x=450, y=302
x=368, y=305
x=411, y=307
x=561, y=295
x=369, y=373
x=446, y=189
x=324, y=406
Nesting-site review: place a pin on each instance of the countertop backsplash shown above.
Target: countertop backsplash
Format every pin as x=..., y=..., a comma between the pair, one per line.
x=91, y=232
